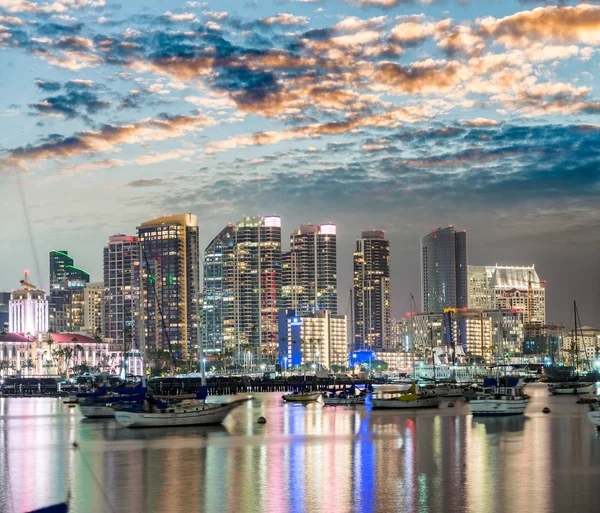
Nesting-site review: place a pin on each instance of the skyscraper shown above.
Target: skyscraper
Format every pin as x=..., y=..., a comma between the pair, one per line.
x=309, y=270
x=444, y=281
x=121, y=289
x=93, y=294
x=242, y=288
x=372, y=305
x=170, y=264
x=217, y=305
x=62, y=269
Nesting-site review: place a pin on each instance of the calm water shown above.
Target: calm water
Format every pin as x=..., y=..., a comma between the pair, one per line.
x=307, y=458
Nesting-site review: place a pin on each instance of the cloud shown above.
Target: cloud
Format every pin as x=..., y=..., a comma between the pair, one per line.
x=146, y=182
x=55, y=7
x=188, y=16
x=106, y=139
x=480, y=122
x=47, y=85
x=424, y=77
x=284, y=19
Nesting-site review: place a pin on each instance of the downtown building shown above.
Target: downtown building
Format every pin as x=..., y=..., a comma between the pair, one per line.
x=121, y=264
x=372, y=293
x=444, y=282
x=309, y=270
x=169, y=276
x=242, y=289
x=507, y=288
x=93, y=308
x=317, y=340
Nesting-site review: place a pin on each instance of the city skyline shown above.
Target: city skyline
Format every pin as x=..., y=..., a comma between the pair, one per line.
x=401, y=116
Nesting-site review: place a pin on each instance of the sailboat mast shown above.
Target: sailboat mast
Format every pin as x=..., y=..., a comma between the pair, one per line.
x=142, y=337
x=411, y=332
x=576, y=349
x=196, y=267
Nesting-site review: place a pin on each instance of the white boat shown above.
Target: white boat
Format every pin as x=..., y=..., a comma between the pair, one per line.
x=447, y=390
x=412, y=398
x=594, y=415
x=192, y=413
x=96, y=411
x=573, y=388
x=506, y=398
x=301, y=397
x=343, y=400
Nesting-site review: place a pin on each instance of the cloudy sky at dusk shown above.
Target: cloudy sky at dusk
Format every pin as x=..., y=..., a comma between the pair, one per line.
x=394, y=114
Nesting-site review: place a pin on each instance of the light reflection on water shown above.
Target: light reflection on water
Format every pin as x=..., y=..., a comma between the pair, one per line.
x=306, y=459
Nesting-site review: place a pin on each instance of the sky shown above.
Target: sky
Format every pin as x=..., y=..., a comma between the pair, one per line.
x=390, y=114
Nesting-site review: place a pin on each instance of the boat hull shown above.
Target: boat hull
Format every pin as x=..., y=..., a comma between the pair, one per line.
x=297, y=398
x=343, y=401
x=490, y=407
x=96, y=411
x=200, y=416
x=425, y=402
x=594, y=416
x=588, y=388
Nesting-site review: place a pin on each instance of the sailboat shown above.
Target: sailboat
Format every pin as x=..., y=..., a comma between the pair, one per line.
x=414, y=397
x=574, y=387
x=500, y=396
x=99, y=404
x=196, y=412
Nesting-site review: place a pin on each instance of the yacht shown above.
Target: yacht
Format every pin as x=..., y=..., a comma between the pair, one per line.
x=499, y=397
x=411, y=398
x=573, y=388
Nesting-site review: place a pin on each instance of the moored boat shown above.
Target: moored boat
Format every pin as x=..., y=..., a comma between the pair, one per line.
x=503, y=397
x=412, y=398
x=572, y=387
x=346, y=396
x=156, y=413
x=299, y=396
x=99, y=404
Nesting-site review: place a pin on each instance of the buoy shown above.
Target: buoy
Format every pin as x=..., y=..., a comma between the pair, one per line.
x=546, y=410
x=75, y=445
x=450, y=405
x=261, y=420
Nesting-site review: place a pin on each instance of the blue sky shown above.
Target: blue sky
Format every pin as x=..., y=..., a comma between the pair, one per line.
x=392, y=114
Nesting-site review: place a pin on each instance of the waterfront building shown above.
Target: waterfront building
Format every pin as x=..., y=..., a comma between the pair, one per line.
x=317, y=339
x=93, y=296
x=372, y=292
x=218, y=331
x=170, y=273
x=121, y=265
x=444, y=270
x=507, y=287
x=28, y=311
x=399, y=339
x=309, y=270
x=587, y=350
x=241, y=307
x=62, y=269
x=66, y=307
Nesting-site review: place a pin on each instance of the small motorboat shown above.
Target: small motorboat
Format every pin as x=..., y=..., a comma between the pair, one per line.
x=346, y=396
x=572, y=387
x=503, y=397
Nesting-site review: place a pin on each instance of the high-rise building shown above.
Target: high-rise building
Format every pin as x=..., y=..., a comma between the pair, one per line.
x=170, y=274
x=66, y=306
x=444, y=281
x=217, y=307
x=507, y=287
x=309, y=270
x=317, y=338
x=28, y=311
x=93, y=295
x=372, y=291
x=242, y=291
x=62, y=270
x=121, y=290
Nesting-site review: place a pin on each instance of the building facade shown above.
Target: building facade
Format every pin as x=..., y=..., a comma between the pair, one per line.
x=28, y=312
x=170, y=274
x=121, y=265
x=309, y=270
x=586, y=351
x=93, y=297
x=316, y=340
x=62, y=269
x=444, y=281
x=507, y=287
x=372, y=292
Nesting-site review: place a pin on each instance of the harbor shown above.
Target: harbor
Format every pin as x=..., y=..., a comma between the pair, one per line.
x=306, y=457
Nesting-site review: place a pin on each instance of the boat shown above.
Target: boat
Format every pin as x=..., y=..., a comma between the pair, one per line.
x=594, y=415
x=100, y=403
x=447, y=390
x=572, y=387
x=412, y=398
x=346, y=396
x=301, y=396
x=157, y=413
x=499, y=397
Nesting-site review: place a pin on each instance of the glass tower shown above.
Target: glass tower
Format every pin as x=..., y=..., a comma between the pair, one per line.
x=170, y=265
x=372, y=292
x=444, y=272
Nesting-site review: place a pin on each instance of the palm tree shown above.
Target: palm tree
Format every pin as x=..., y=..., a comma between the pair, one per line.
x=28, y=365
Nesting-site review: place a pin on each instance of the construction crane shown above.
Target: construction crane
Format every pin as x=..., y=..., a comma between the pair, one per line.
x=25, y=283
